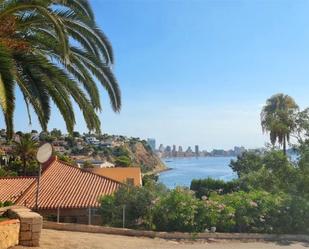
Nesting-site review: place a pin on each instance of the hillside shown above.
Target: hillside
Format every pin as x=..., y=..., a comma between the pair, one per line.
x=142, y=156
x=119, y=150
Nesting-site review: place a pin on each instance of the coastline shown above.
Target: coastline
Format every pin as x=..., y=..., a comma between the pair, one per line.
x=157, y=171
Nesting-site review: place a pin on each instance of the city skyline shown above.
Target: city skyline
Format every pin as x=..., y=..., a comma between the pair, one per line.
x=179, y=75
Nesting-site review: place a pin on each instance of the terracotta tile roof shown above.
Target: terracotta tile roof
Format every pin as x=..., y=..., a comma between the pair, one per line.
x=121, y=174
x=11, y=188
x=66, y=186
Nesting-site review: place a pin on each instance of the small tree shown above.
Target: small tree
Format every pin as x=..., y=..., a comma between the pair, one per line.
x=278, y=118
x=26, y=149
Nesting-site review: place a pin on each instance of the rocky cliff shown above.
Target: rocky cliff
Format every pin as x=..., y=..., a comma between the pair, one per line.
x=142, y=156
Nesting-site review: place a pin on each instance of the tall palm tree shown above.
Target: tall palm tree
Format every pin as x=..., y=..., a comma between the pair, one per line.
x=25, y=148
x=53, y=51
x=277, y=118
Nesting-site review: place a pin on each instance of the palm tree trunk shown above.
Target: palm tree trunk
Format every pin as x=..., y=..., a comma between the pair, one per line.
x=284, y=145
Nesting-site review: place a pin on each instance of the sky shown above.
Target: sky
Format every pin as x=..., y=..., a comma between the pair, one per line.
x=198, y=72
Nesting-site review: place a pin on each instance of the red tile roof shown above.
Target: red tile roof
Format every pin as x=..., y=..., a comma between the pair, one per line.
x=66, y=186
x=11, y=188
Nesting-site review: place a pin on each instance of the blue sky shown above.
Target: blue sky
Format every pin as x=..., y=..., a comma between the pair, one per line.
x=198, y=72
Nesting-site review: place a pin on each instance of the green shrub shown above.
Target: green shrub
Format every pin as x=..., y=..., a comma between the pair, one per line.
x=253, y=210
x=204, y=187
x=138, y=202
x=6, y=204
x=246, y=163
x=213, y=213
x=176, y=211
x=120, y=151
x=123, y=161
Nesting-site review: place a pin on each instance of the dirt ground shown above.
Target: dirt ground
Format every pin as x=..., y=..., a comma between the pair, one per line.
x=52, y=239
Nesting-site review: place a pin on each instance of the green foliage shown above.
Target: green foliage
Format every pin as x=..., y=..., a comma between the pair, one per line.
x=76, y=134
x=138, y=203
x=65, y=158
x=53, y=51
x=274, y=174
x=278, y=118
x=56, y=133
x=204, y=187
x=26, y=149
x=246, y=163
x=176, y=211
x=123, y=161
x=6, y=172
x=6, y=204
x=120, y=151
x=150, y=178
x=88, y=165
x=253, y=211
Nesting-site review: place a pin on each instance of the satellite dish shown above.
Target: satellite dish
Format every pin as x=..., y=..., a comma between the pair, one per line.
x=44, y=153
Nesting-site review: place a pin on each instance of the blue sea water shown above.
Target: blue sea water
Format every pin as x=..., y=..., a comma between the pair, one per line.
x=183, y=170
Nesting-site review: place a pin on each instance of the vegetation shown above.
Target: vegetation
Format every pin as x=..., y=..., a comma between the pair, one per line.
x=122, y=161
x=25, y=148
x=205, y=187
x=53, y=51
x=138, y=203
x=277, y=118
x=270, y=195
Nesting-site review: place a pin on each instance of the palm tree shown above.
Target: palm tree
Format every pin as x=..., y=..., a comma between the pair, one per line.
x=277, y=118
x=53, y=51
x=25, y=148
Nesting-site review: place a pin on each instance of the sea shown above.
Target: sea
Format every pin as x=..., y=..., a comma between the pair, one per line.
x=184, y=169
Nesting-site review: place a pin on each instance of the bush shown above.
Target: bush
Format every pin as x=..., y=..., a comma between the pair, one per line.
x=204, y=187
x=255, y=211
x=138, y=202
x=6, y=204
x=292, y=216
x=246, y=163
x=120, y=151
x=176, y=211
x=123, y=161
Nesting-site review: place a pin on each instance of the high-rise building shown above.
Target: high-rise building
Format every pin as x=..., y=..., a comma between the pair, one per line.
x=168, y=151
x=152, y=143
x=161, y=148
x=189, y=152
x=197, y=151
x=180, y=149
x=174, y=151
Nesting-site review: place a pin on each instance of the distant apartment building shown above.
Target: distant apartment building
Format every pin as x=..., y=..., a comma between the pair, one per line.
x=189, y=152
x=180, y=150
x=152, y=143
x=161, y=148
x=197, y=150
x=168, y=151
x=174, y=151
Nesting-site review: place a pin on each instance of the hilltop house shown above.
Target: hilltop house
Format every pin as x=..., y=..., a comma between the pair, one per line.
x=129, y=175
x=67, y=193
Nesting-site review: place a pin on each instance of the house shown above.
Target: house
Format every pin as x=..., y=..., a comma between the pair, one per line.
x=67, y=193
x=128, y=175
x=92, y=140
x=59, y=149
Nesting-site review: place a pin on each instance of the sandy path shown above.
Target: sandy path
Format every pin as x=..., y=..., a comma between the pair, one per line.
x=52, y=239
